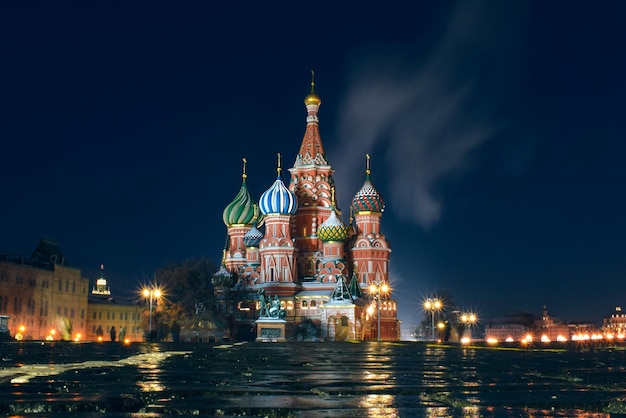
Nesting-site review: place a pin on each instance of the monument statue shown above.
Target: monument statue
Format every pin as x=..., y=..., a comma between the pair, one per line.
x=270, y=307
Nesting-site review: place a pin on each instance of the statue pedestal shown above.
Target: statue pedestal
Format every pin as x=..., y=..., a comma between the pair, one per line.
x=270, y=330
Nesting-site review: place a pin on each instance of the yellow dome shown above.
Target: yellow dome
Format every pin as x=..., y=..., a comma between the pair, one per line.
x=312, y=98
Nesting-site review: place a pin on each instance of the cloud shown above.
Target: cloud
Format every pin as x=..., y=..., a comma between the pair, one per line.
x=426, y=110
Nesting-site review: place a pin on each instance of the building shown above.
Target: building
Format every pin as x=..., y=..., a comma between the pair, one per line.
x=551, y=328
x=527, y=327
x=43, y=298
x=331, y=278
x=105, y=313
x=615, y=323
x=42, y=295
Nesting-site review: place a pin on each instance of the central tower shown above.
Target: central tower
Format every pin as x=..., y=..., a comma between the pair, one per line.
x=311, y=181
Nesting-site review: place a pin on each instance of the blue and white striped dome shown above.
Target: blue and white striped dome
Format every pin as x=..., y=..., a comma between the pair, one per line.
x=278, y=199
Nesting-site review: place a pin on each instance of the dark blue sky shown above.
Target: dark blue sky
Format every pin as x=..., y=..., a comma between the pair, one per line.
x=496, y=131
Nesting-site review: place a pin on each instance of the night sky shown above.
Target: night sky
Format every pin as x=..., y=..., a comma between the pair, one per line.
x=496, y=129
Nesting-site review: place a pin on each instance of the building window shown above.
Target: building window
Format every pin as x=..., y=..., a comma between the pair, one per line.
x=60, y=285
x=304, y=304
x=73, y=287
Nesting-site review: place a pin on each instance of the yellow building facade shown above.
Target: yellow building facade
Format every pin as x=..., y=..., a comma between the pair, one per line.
x=46, y=299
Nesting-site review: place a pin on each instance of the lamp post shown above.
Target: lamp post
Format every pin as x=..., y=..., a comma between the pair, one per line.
x=151, y=294
x=432, y=305
x=468, y=319
x=376, y=288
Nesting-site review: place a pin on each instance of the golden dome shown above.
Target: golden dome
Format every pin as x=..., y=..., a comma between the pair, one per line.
x=312, y=98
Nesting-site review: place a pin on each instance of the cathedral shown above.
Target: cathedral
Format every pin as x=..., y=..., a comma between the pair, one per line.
x=330, y=279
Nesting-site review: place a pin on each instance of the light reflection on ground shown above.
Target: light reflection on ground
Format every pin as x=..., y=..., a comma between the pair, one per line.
x=26, y=372
x=310, y=380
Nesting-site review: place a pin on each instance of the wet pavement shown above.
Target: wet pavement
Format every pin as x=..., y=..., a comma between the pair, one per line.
x=404, y=379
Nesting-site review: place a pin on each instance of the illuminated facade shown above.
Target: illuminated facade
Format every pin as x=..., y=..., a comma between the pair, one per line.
x=319, y=267
x=615, y=323
x=106, y=312
x=45, y=299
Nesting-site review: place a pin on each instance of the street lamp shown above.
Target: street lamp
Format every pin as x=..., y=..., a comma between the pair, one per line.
x=432, y=305
x=468, y=319
x=152, y=294
x=376, y=288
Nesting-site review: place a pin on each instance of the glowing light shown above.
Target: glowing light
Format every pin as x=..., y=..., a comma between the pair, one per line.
x=99, y=339
x=492, y=340
x=509, y=339
x=561, y=338
x=545, y=339
x=465, y=340
x=77, y=337
x=153, y=294
x=581, y=337
x=22, y=328
x=126, y=341
x=431, y=305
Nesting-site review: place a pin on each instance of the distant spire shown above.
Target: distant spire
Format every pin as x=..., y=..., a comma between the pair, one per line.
x=244, y=175
x=367, y=165
x=278, y=167
x=101, y=287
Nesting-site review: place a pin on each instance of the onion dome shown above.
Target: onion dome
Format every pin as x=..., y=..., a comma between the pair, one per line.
x=222, y=278
x=333, y=229
x=253, y=237
x=312, y=98
x=368, y=199
x=278, y=199
x=241, y=210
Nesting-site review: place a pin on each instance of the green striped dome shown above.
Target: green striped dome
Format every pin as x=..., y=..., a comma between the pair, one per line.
x=241, y=210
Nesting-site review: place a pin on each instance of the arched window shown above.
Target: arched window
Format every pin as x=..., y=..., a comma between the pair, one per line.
x=313, y=304
x=304, y=304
